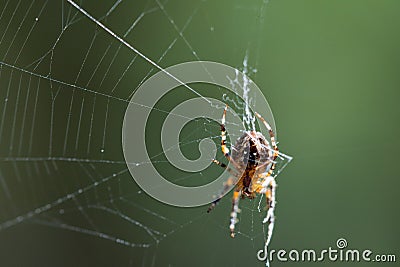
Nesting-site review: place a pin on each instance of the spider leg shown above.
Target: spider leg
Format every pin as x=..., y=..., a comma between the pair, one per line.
x=272, y=136
x=227, y=186
x=224, y=149
x=270, y=218
x=234, y=212
x=265, y=164
x=267, y=186
x=223, y=165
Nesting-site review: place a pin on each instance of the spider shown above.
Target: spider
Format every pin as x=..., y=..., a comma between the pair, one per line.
x=253, y=160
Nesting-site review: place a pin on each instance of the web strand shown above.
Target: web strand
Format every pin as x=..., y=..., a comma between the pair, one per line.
x=133, y=49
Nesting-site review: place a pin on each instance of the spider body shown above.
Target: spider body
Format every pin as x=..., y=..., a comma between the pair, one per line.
x=248, y=152
x=253, y=159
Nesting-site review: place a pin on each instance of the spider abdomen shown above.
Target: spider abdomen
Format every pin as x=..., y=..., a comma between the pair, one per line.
x=252, y=154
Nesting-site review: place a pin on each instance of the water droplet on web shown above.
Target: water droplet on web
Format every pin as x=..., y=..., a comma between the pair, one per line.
x=36, y=19
x=102, y=150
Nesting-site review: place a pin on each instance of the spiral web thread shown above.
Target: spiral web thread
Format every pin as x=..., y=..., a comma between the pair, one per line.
x=58, y=118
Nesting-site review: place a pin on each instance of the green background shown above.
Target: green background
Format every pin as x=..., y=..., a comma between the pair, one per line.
x=329, y=70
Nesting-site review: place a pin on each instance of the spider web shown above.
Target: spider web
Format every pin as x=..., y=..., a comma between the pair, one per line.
x=65, y=83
